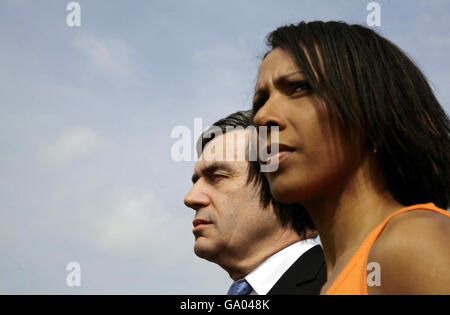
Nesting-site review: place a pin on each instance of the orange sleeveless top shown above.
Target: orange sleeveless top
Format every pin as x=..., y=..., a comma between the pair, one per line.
x=353, y=278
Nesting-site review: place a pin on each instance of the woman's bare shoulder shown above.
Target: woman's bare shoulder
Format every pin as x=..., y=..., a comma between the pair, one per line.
x=414, y=254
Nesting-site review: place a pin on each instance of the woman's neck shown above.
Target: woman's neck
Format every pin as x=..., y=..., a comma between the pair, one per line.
x=345, y=216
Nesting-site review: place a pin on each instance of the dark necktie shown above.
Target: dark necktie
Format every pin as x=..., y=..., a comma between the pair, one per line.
x=241, y=287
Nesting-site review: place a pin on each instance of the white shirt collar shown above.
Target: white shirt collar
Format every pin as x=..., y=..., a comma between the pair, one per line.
x=264, y=277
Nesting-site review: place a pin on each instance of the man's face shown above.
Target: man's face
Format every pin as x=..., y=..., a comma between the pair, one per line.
x=229, y=218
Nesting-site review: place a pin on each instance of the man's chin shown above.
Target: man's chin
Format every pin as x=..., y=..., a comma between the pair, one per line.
x=204, y=250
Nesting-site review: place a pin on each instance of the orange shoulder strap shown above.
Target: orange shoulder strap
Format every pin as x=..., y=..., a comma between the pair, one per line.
x=353, y=279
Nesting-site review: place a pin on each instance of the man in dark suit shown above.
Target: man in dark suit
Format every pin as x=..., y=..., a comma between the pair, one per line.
x=265, y=246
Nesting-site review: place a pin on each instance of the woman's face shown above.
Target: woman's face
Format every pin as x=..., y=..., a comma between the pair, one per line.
x=315, y=159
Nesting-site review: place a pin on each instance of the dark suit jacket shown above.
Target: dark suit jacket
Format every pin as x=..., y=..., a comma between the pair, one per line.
x=306, y=276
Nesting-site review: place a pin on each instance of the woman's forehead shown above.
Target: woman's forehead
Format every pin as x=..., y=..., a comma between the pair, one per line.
x=276, y=64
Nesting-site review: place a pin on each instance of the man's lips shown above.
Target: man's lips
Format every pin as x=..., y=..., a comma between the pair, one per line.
x=197, y=223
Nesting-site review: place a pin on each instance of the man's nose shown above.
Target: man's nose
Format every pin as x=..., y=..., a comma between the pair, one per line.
x=196, y=198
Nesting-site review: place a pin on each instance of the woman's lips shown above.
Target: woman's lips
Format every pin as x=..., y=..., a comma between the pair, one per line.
x=278, y=158
x=279, y=152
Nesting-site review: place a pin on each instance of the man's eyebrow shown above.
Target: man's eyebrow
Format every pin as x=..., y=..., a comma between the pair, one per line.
x=211, y=169
x=281, y=79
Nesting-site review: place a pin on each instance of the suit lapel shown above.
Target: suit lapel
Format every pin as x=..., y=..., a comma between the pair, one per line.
x=306, y=276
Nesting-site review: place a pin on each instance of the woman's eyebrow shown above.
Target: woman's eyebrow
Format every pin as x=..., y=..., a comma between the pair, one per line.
x=262, y=92
x=281, y=79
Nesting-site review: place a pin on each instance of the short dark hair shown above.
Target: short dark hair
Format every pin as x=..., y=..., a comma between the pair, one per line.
x=373, y=87
x=293, y=215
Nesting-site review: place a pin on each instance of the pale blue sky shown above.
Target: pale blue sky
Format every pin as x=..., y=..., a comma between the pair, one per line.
x=86, y=116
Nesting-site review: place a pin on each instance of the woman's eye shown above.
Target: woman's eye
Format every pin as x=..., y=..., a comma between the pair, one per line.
x=300, y=87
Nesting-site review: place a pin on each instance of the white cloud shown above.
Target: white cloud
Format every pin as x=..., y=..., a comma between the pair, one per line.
x=139, y=226
x=74, y=143
x=112, y=55
x=225, y=67
x=220, y=53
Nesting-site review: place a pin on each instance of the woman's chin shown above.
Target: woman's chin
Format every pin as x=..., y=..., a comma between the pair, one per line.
x=283, y=192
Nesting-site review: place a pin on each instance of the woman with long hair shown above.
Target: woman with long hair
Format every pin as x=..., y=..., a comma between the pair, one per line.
x=364, y=147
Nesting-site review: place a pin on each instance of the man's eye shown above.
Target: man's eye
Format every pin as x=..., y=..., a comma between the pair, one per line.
x=257, y=106
x=217, y=177
x=299, y=87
